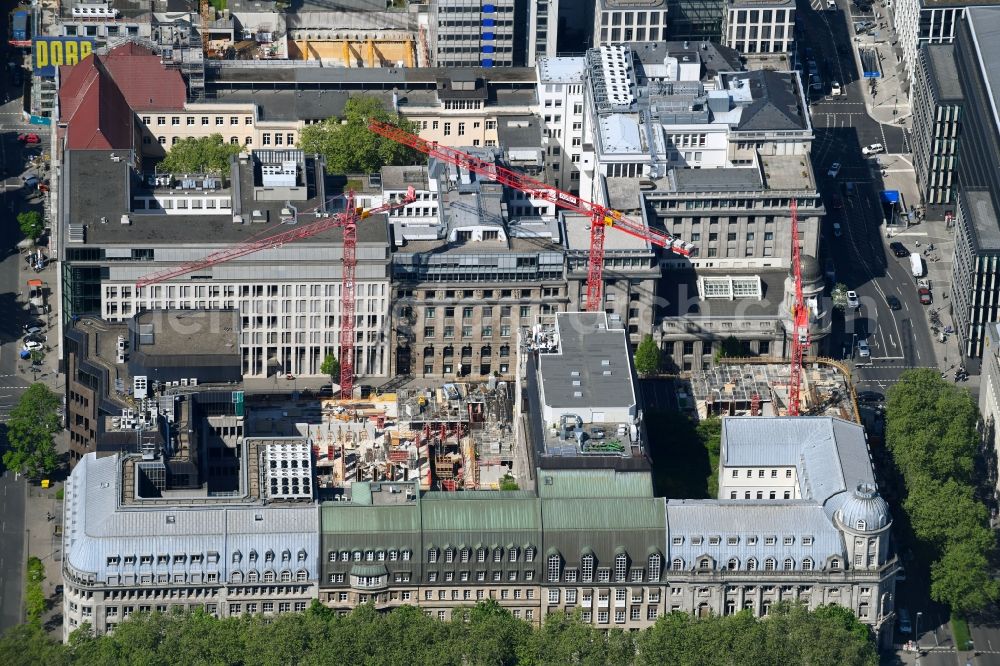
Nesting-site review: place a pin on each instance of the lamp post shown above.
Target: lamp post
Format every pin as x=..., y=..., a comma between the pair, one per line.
x=916, y=633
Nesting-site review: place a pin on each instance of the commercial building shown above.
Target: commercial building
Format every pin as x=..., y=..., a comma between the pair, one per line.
x=121, y=224
x=937, y=107
x=760, y=26
x=974, y=300
x=628, y=21
x=560, y=106
x=107, y=21
x=919, y=22
x=798, y=518
x=989, y=403
x=479, y=33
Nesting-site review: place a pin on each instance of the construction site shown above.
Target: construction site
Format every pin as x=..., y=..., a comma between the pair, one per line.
x=458, y=436
x=762, y=389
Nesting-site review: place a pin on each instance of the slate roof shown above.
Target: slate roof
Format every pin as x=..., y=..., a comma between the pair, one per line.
x=594, y=483
x=97, y=528
x=690, y=519
x=776, y=103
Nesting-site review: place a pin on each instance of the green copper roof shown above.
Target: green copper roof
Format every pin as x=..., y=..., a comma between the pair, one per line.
x=480, y=512
x=594, y=483
x=604, y=514
x=346, y=518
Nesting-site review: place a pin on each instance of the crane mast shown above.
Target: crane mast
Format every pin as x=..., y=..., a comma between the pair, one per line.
x=800, y=321
x=600, y=216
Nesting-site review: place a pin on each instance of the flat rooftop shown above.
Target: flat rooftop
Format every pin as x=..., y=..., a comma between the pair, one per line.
x=679, y=295
x=983, y=216
x=940, y=60
x=562, y=69
x=188, y=332
x=101, y=188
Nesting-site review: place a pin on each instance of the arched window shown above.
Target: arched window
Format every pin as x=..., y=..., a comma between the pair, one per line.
x=704, y=564
x=653, y=566
x=301, y=575
x=677, y=564
x=286, y=576
x=252, y=577
x=369, y=556
x=752, y=564
x=357, y=556
x=449, y=555
x=861, y=525
x=807, y=564
x=789, y=564
x=835, y=563
x=554, y=564
x=769, y=564
x=621, y=567
x=733, y=564
x=237, y=577
x=587, y=568
x=268, y=576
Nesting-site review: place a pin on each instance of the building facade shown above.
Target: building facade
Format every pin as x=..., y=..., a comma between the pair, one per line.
x=919, y=22
x=937, y=107
x=479, y=33
x=627, y=21
x=560, y=106
x=760, y=26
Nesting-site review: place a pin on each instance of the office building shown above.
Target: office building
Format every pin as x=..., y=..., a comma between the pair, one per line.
x=760, y=26
x=974, y=300
x=560, y=106
x=919, y=22
x=122, y=224
x=989, y=403
x=479, y=33
x=628, y=21
x=937, y=107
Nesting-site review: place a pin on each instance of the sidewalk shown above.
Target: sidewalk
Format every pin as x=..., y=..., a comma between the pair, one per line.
x=889, y=104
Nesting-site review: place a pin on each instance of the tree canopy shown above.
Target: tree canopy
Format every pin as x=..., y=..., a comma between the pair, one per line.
x=485, y=634
x=330, y=366
x=350, y=147
x=205, y=155
x=647, y=356
x=931, y=431
x=30, y=429
x=32, y=224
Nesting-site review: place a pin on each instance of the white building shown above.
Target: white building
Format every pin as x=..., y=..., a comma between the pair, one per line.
x=919, y=22
x=543, y=29
x=560, y=107
x=627, y=21
x=760, y=26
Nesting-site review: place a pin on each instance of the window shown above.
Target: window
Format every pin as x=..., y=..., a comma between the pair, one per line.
x=449, y=555
x=677, y=564
x=621, y=567
x=512, y=555
x=789, y=564
x=807, y=564
x=529, y=554
x=553, y=596
x=587, y=566
x=553, y=568
x=432, y=555
x=498, y=555
x=751, y=564
x=480, y=555
x=653, y=565
x=769, y=564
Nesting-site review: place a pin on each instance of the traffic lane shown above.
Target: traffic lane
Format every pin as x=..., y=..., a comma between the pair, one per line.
x=12, y=539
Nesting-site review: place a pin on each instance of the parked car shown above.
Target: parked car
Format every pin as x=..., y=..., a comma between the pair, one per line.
x=837, y=232
x=34, y=337
x=29, y=138
x=34, y=326
x=925, y=296
x=835, y=88
x=853, y=301
x=864, y=351
x=899, y=249
x=893, y=302
x=873, y=149
x=870, y=396
x=833, y=170
x=32, y=345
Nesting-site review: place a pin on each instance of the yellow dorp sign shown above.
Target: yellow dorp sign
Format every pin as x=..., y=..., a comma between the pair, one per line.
x=51, y=52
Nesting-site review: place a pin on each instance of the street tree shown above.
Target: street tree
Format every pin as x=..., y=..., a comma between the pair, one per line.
x=350, y=147
x=32, y=424
x=204, y=155
x=32, y=224
x=647, y=357
x=330, y=366
x=839, y=295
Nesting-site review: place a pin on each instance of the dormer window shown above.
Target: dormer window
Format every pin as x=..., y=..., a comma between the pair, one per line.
x=861, y=525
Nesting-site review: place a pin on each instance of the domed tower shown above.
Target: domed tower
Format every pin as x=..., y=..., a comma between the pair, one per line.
x=864, y=519
x=812, y=293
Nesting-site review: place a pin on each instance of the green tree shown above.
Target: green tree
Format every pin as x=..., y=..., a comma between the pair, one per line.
x=508, y=482
x=205, y=155
x=29, y=644
x=729, y=347
x=330, y=366
x=839, y=295
x=647, y=357
x=932, y=434
x=32, y=224
x=350, y=147
x=30, y=429
x=34, y=596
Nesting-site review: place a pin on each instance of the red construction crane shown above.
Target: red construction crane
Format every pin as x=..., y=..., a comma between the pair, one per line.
x=800, y=322
x=601, y=216
x=348, y=221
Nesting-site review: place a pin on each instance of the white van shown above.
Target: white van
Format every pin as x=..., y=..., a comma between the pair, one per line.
x=916, y=264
